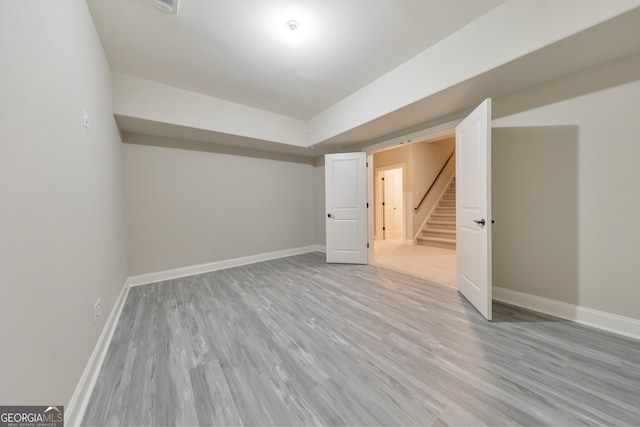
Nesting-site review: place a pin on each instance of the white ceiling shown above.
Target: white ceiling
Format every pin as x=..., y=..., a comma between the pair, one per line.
x=236, y=50
x=241, y=50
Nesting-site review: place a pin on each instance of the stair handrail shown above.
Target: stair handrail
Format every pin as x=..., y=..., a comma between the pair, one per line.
x=436, y=178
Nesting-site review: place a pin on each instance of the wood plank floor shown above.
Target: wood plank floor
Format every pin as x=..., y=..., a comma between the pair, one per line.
x=427, y=262
x=295, y=341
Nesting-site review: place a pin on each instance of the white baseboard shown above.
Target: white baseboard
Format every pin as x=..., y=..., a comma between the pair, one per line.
x=411, y=242
x=175, y=273
x=626, y=326
x=74, y=412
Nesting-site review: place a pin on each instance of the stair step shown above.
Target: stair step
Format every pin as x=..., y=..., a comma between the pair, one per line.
x=438, y=233
x=440, y=228
x=441, y=210
x=444, y=218
x=437, y=242
x=439, y=225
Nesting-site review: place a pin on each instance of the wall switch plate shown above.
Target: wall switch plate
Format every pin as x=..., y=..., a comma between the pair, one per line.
x=85, y=119
x=97, y=311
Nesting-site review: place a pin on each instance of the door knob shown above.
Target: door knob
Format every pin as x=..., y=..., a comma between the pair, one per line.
x=479, y=222
x=330, y=216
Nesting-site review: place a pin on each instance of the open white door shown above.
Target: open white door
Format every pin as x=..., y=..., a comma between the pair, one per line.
x=473, y=213
x=346, y=202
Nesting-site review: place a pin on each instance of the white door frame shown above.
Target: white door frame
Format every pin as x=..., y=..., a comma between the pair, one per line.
x=431, y=134
x=378, y=211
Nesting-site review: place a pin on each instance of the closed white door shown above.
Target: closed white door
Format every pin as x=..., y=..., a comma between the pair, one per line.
x=346, y=208
x=473, y=208
x=393, y=202
x=389, y=204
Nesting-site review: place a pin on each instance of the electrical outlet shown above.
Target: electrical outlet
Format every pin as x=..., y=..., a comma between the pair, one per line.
x=97, y=311
x=85, y=119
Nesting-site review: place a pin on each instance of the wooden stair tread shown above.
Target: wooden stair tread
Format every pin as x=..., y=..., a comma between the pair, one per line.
x=439, y=222
x=438, y=230
x=437, y=239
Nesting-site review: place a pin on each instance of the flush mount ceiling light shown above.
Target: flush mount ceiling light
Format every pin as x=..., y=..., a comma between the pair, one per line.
x=293, y=25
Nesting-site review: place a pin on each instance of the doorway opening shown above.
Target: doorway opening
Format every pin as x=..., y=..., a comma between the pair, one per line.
x=389, y=202
x=389, y=212
x=397, y=222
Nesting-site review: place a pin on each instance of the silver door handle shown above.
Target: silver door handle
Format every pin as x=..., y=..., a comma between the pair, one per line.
x=330, y=216
x=479, y=222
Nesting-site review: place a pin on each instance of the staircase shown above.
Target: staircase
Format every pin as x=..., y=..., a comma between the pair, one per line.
x=440, y=228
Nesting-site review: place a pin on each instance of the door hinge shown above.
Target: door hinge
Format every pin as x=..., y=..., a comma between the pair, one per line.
x=382, y=203
x=383, y=228
x=367, y=204
x=367, y=164
x=367, y=246
x=383, y=178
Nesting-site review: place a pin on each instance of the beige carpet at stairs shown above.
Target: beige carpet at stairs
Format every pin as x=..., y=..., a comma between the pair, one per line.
x=434, y=264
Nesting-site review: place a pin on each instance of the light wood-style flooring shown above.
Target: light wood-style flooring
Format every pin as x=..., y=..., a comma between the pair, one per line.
x=437, y=265
x=296, y=341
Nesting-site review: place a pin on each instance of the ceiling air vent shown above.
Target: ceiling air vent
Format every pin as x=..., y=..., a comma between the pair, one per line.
x=167, y=6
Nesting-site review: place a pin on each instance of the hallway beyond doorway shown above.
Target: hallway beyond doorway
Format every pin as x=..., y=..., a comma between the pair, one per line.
x=437, y=265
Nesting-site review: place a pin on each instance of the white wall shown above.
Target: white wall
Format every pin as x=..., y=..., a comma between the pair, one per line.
x=186, y=207
x=61, y=214
x=321, y=224
x=565, y=193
